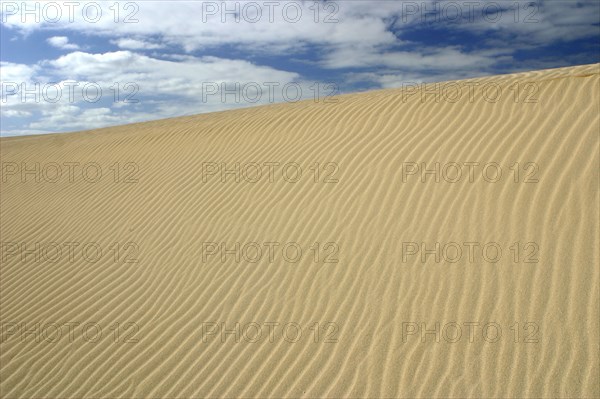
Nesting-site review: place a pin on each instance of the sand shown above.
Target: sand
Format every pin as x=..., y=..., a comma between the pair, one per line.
x=379, y=252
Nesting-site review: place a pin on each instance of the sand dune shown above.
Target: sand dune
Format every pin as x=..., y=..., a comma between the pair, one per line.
x=387, y=244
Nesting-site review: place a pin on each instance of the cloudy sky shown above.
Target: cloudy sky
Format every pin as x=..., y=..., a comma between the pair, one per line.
x=78, y=65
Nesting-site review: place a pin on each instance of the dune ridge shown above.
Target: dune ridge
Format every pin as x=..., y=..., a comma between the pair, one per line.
x=163, y=203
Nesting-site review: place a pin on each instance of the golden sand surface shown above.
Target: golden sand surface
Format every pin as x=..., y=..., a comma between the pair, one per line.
x=393, y=243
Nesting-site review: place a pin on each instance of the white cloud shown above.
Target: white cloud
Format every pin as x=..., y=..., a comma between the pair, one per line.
x=134, y=44
x=62, y=42
x=541, y=23
x=445, y=58
x=13, y=113
x=23, y=132
x=338, y=29
x=164, y=88
x=12, y=72
x=157, y=76
x=194, y=25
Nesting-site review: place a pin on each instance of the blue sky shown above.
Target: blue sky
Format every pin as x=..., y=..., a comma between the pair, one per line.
x=62, y=64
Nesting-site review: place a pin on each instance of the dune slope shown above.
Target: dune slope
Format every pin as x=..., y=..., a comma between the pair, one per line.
x=383, y=244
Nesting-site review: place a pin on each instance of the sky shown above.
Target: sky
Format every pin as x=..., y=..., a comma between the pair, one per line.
x=77, y=65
